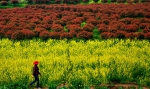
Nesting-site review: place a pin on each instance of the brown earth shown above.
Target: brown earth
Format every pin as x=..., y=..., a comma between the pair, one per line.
x=124, y=86
x=112, y=86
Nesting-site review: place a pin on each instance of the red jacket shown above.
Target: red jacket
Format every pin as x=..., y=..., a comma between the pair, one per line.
x=36, y=70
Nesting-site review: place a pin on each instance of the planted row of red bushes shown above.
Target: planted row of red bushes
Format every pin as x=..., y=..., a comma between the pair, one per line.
x=85, y=1
x=55, y=20
x=28, y=34
x=5, y=2
x=123, y=34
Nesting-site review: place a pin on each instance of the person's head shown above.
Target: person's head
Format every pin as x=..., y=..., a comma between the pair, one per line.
x=35, y=62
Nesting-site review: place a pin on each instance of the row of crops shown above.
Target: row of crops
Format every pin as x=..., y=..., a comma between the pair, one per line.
x=76, y=21
x=75, y=64
x=6, y=2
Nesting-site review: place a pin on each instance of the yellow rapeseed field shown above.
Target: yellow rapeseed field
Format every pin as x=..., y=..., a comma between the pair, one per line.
x=76, y=63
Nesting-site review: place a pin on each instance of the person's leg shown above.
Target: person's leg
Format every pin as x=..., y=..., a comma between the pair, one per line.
x=33, y=81
x=37, y=80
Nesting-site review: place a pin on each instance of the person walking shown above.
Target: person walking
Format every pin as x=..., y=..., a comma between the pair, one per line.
x=36, y=74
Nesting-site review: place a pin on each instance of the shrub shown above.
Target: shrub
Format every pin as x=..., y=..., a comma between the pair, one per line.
x=67, y=19
x=18, y=35
x=131, y=28
x=130, y=35
x=47, y=19
x=18, y=28
x=28, y=33
x=2, y=23
x=66, y=35
x=115, y=17
x=147, y=36
x=35, y=20
x=139, y=13
x=126, y=20
x=23, y=24
x=44, y=35
x=145, y=20
x=146, y=29
x=143, y=25
x=76, y=21
x=1, y=34
x=107, y=35
x=37, y=31
x=73, y=33
x=74, y=27
x=31, y=26
x=4, y=3
x=45, y=26
x=55, y=35
x=102, y=28
x=92, y=21
x=9, y=33
x=8, y=27
x=88, y=27
x=1, y=26
x=67, y=8
x=147, y=14
x=140, y=35
x=112, y=29
x=136, y=22
x=105, y=21
x=57, y=28
x=62, y=23
x=79, y=14
x=85, y=35
x=120, y=34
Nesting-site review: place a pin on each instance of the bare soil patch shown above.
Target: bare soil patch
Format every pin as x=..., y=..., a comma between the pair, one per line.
x=123, y=86
x=112, y=86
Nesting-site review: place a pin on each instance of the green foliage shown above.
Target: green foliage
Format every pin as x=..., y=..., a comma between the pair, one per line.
x=83, y=24
x=65, y=29
x=96, y=34
x=12, y=6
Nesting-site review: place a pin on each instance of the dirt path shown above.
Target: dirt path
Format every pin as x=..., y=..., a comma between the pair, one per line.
x=109, y=86
x=124, y=86
x=112, y=86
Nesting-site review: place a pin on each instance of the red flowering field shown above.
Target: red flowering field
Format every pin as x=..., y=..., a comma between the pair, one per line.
x=59, y=21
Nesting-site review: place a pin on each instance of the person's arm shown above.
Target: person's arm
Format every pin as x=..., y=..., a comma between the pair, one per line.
x=39, y=72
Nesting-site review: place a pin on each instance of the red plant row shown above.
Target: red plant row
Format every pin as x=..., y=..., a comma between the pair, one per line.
x=5, y=2
x=85, y=1
x=64, y=21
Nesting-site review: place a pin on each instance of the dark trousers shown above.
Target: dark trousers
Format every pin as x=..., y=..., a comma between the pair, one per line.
x=36, y=79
